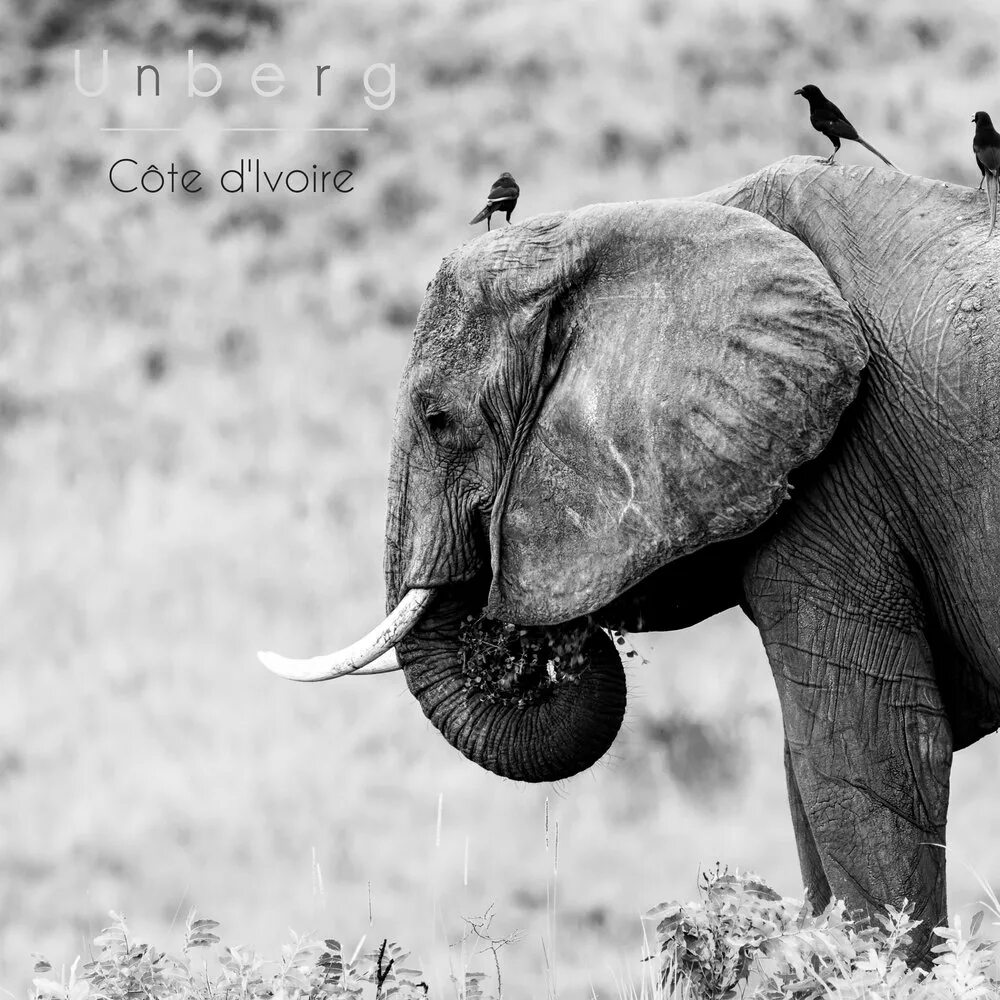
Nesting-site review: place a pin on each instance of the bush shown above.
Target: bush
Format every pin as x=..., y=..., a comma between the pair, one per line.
x=742, y=939
x=123, y=968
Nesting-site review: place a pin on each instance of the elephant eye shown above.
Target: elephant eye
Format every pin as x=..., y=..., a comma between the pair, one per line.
x=444, y=424
x=437, y=420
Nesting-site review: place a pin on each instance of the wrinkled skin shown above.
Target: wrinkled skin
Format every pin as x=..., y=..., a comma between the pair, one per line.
x=600, y=424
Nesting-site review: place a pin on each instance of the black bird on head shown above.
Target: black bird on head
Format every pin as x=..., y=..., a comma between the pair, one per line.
x=986, y=146
x=502, y=198
x=827, y=118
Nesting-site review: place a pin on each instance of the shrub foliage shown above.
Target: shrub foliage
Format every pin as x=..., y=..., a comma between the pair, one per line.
x=123, y=969
x=738, y=939
x=741, y=939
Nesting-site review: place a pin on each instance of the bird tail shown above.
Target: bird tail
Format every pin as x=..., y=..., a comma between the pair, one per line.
x=872, y=149
x=992, y=182
x=482, y=215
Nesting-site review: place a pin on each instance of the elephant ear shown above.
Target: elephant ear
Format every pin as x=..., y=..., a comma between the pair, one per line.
x=696, y=355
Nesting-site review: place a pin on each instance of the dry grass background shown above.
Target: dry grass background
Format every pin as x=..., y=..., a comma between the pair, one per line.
x=195, y=409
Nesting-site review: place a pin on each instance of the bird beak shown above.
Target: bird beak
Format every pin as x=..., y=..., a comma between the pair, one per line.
x=799, y=91
x=973, y=119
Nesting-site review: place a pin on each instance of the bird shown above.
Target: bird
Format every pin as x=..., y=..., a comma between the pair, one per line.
x=827, y=118
x=986, y=146
x=502, y=198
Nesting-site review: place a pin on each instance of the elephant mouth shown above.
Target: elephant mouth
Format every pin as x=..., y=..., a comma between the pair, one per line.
x=500, y=662
x=503, y=662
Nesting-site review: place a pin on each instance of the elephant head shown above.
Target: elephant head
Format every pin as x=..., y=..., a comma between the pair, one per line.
x=594, y=403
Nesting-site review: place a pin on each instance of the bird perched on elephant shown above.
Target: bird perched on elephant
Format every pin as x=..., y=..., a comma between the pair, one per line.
x=502, y=198
x=828, y=119
x=782, y=395
x=986, y=149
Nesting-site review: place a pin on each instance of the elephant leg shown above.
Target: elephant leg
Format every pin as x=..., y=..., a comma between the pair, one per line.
x=868, y=743
x=869, y=757
x=813, y=877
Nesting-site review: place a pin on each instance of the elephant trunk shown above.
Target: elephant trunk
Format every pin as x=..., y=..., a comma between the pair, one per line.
x=530, y=704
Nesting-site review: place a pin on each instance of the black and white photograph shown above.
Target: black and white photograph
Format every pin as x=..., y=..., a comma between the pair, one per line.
x=500, y=500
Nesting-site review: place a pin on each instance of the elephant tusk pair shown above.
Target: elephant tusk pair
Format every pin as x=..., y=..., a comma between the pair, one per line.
x=372, y=654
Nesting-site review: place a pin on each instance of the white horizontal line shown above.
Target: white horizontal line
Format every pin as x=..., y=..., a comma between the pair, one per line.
x=294, y=130
x=136, y=129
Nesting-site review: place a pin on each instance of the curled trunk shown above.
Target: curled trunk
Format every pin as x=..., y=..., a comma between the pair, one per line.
x=531, y=704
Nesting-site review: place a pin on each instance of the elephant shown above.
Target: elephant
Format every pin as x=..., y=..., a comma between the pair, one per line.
x=782, y=395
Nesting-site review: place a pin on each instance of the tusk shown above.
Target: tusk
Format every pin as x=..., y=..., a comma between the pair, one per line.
x=372, y=654
x=286, y=667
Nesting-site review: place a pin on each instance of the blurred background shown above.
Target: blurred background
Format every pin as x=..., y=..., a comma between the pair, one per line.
x=196, y=396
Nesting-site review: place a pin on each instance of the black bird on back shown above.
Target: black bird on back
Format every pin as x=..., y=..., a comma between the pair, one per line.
x=986, y=146
x=502, y=198
x=827, y=118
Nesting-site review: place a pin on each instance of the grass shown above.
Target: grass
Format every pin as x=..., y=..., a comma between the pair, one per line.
x=738, y=938
x=195, y=417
